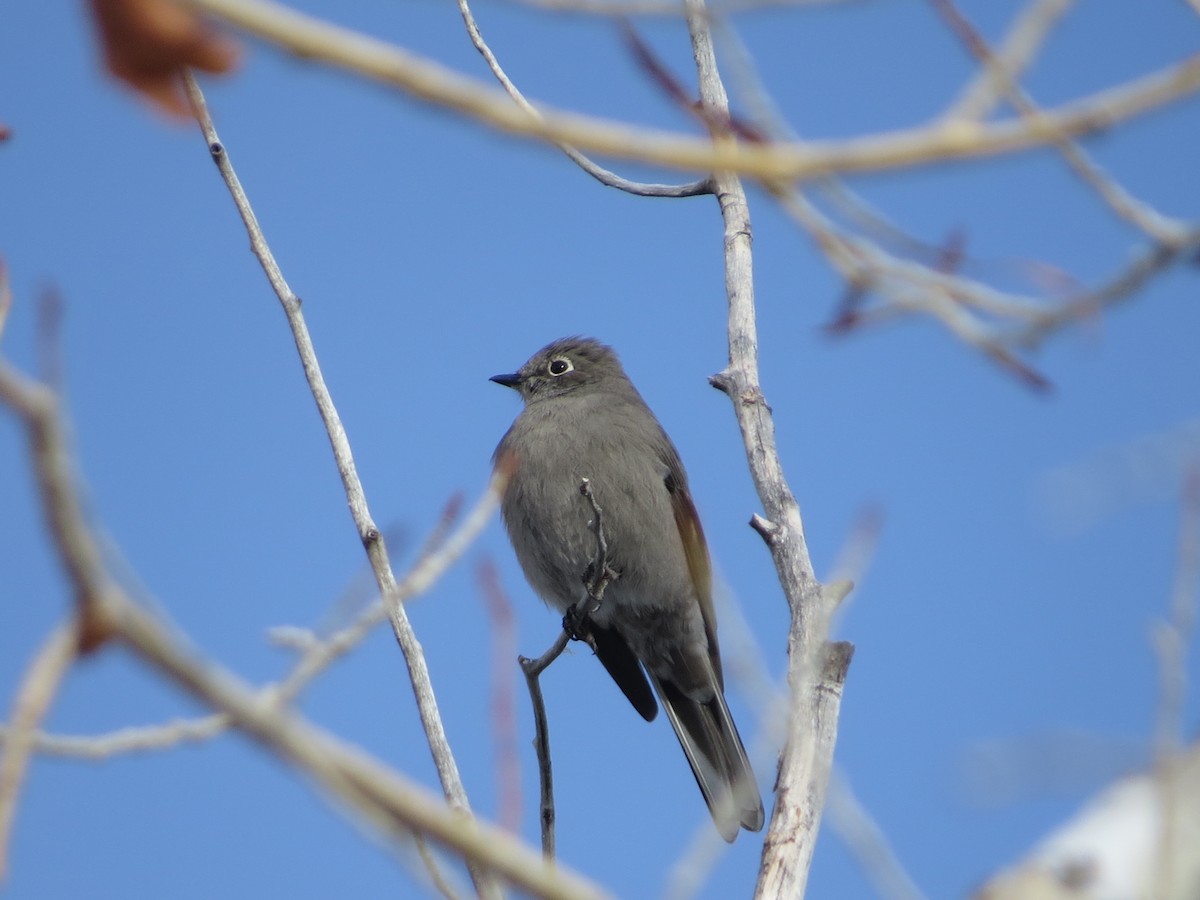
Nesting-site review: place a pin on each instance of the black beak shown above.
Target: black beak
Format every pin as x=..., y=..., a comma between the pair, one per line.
x=512, y=380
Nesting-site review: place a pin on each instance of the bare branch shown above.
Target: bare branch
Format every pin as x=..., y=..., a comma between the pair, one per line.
x=1117, y=289
x=134, y=739
x=1124, y=204
x=382, y=797
x=1015, y=54
x=38, y=406
x=30, y=706
x=441, y=551
x=429, y=82
x=368, y=533
x=816, y=671
x=804, y=770
x=862, y=835
x=533, y=668
x=596, y=579
x=668, y=8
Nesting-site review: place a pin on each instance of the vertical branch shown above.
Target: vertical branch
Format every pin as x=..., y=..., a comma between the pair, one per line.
x=596, y=580
x=369, y=534
x=533, y=669
x=1171, y=639
x=816, y=672
x=1172, y=635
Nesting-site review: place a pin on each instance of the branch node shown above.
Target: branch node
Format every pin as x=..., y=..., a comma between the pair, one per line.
x=722, y=381
x=767, y=530
x=836, y=663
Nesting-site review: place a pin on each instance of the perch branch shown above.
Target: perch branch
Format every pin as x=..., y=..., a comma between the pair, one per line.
x=596, y=578
x=533, y=668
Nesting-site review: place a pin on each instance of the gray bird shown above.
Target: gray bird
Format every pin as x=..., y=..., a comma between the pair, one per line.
x=583, y=418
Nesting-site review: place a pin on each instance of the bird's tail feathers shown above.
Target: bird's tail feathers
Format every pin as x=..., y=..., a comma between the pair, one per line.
x=714, y=749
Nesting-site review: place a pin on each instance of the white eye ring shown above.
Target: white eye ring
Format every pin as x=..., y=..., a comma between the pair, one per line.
x=560, y=365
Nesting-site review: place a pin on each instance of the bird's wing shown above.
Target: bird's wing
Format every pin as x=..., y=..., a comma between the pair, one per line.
x=695, y=549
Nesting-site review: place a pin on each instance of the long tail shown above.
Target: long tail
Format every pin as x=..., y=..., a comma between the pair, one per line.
x=712, y=745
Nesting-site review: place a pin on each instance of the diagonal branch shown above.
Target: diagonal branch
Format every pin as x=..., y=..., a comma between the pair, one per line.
x=32, y=702
x=429, y=82
x=1016, y=53
x=369, y=534
x=318, y=654
x=1124, y=204
x=382, y=797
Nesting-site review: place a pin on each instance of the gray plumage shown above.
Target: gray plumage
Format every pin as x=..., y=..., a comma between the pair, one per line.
x=583, y=418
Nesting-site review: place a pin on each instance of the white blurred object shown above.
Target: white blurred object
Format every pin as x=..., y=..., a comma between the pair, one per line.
x=1138, y=840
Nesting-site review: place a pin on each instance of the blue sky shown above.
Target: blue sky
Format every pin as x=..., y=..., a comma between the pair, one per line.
x=431, y=254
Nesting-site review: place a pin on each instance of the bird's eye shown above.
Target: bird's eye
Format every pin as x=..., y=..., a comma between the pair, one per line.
x=560, y=365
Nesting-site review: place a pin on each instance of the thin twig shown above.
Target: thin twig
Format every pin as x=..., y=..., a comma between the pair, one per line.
x=440, y=552
x=601, y=174
x=667, y=8
x=133, y=739
x=596, y=578
x=866, y=841
x=1163, y=230
x=30, y=706
x=867, y=266
x=368, y=533
x=533, y=668
x=437, y=877
x=1015, y=54
x=1117, y=289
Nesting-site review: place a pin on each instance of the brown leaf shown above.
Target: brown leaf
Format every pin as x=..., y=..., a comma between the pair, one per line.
x=147, y=42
